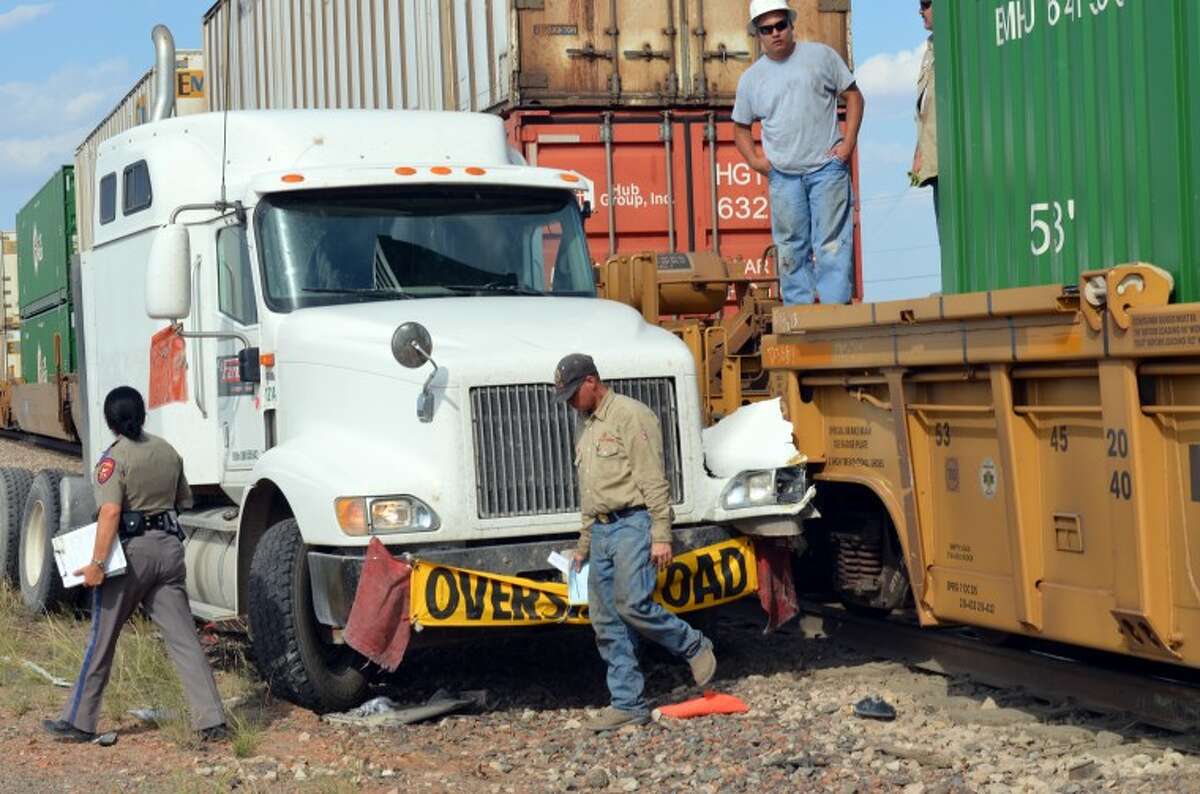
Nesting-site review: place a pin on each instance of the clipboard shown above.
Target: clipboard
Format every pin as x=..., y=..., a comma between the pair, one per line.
x=73, y=550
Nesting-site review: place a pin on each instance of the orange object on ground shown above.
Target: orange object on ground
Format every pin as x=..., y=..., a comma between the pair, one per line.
x=711, y=703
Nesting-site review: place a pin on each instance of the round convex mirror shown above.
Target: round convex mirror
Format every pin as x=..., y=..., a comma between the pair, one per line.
x=411, y=345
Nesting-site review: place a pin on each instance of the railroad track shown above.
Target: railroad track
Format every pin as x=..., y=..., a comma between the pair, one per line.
x=57, y=445
x=1159, y=695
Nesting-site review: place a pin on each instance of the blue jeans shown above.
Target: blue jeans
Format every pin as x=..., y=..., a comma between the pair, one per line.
x=621, y=604
x=812, y=221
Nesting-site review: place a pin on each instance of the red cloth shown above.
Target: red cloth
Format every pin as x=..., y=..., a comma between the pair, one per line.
x=168, y=368
x=379, y=626
x=776, y=587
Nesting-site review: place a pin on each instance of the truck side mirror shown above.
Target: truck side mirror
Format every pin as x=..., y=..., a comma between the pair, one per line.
x=413, y=346
x=169, y=275
x=249, y=366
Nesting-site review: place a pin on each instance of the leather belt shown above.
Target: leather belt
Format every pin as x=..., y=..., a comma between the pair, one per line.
x=616, y=515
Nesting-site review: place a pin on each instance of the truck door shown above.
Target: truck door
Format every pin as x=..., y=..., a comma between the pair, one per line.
x=239, y=410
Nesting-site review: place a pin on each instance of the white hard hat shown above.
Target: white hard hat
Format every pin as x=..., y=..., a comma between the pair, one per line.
x=760, y=7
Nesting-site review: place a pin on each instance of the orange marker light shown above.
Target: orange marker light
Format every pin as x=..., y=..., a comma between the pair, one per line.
x=267, y=359
x=352, y=514
x=404, y=170
x=440, y=170
x=568, y=177
x=476, y=171
x=292, y=178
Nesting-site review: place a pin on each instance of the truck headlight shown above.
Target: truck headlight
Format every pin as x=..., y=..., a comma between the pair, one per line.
x=750, y=489
x=378, y=515
x=767, y=487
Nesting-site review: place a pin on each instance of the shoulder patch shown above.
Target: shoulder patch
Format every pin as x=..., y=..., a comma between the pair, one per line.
x=105, y=469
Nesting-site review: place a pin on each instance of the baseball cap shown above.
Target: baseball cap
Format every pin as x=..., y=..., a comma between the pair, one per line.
x=570, y=374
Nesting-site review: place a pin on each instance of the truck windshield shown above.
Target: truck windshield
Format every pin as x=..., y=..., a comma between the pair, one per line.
x=325, y=247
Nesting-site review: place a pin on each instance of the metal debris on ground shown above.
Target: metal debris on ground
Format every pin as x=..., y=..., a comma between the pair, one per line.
x=383, y=712
x=106, y=739
x=875, y=708
x=43, y=672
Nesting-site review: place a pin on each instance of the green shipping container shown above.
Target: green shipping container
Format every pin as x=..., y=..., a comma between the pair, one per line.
x=48, y=345
x=46, y=241
x=1069, y=140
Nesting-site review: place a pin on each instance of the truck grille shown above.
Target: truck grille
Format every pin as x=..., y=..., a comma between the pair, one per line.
x=525, y=446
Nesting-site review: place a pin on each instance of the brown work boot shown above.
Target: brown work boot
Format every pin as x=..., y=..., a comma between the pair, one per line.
x=612, y=718
x=703, y=664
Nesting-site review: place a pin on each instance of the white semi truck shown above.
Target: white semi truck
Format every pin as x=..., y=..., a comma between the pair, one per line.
x=371, y=305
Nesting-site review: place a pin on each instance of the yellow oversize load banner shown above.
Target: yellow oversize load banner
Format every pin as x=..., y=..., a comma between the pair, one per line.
x=457, y=597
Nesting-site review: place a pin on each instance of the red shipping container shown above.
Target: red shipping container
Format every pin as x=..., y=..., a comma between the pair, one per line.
x=707, y=200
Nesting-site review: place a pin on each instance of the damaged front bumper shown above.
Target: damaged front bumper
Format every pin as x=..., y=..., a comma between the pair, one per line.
x=334, y=576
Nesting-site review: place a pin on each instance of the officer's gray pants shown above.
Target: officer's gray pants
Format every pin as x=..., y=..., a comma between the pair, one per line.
x=154, y=577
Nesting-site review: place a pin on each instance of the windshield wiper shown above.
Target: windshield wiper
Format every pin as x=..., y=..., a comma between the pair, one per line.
x=365, y=292
x=508, y=289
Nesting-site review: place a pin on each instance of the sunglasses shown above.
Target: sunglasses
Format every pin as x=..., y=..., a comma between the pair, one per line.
x=926, y=5
x=780, y=26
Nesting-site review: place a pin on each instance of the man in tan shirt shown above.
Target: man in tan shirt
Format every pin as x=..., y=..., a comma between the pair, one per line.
x=625, y=537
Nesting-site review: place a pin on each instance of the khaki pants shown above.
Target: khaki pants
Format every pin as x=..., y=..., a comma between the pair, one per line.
x=154, y=578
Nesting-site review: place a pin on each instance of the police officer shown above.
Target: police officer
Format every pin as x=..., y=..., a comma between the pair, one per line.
x=139, y=484
x=625, y=537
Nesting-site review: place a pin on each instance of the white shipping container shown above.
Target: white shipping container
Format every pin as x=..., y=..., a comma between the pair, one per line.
x=191, y=96
x=489, y=54
x=10, y=335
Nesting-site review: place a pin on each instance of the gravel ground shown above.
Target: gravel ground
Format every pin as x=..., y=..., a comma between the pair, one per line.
x=800, y=733
x=26, y=455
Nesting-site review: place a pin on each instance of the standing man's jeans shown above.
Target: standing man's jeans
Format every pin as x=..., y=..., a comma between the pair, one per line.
x=621, y=601
x=813, y=215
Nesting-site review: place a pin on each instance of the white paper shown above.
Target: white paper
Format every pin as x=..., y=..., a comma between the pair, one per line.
x=577, y=589
x=73, y=550
x=755, y=436
x=559, y=562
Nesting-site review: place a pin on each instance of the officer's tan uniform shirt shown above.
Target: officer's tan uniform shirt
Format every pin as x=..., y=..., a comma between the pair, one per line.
x=619, y=453
x=144, y=475
x=927, y=143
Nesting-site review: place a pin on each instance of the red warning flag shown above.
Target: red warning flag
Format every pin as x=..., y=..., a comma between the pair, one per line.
x=168, y=368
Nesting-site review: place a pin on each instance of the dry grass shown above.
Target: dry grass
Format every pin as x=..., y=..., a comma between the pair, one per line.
x=142, y=675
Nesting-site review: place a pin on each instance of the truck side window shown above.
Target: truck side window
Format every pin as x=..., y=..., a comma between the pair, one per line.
x=136, y=190
x=235, y=283
x=108, y=198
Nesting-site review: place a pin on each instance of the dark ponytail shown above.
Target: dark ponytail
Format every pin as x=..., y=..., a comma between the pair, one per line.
x=125, y=412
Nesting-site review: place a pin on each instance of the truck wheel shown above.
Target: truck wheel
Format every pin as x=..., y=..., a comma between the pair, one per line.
x=288, y=649
x=41, y=587
x=14, y=488
x=870, y=576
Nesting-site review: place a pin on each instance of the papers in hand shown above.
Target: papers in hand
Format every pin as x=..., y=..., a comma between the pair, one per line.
x=577, y=589
x=73, y=550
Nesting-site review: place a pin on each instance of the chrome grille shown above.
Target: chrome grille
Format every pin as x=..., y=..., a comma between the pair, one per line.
x=525, y=446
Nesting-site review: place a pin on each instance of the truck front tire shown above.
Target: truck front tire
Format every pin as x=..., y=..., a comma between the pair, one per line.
x=41, y=587
x=291, y=656
x=14, y=489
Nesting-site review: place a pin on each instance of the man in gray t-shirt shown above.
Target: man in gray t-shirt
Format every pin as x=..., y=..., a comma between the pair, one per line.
x=793, y=90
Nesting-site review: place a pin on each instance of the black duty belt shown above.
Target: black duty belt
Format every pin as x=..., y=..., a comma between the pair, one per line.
x=617, y=515
x=135, y=523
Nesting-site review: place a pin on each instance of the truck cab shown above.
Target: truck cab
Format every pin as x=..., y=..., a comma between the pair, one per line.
x=347, y=323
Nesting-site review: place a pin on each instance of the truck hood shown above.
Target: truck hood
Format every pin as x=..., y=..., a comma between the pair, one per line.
x=483, y=340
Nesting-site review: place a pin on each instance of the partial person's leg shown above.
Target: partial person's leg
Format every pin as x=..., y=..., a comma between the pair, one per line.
x=112, y=603
x=831, y=198
x=613, y=638
x=790, y=229
x=633, y=590
x=167, y=605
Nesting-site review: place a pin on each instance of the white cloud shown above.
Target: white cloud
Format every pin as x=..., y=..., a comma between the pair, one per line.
x=23, y=14
x=891, y=75
x=68, y=97
x=38, y=154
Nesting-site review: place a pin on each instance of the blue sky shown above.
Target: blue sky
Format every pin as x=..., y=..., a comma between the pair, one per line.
x=65, y=64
